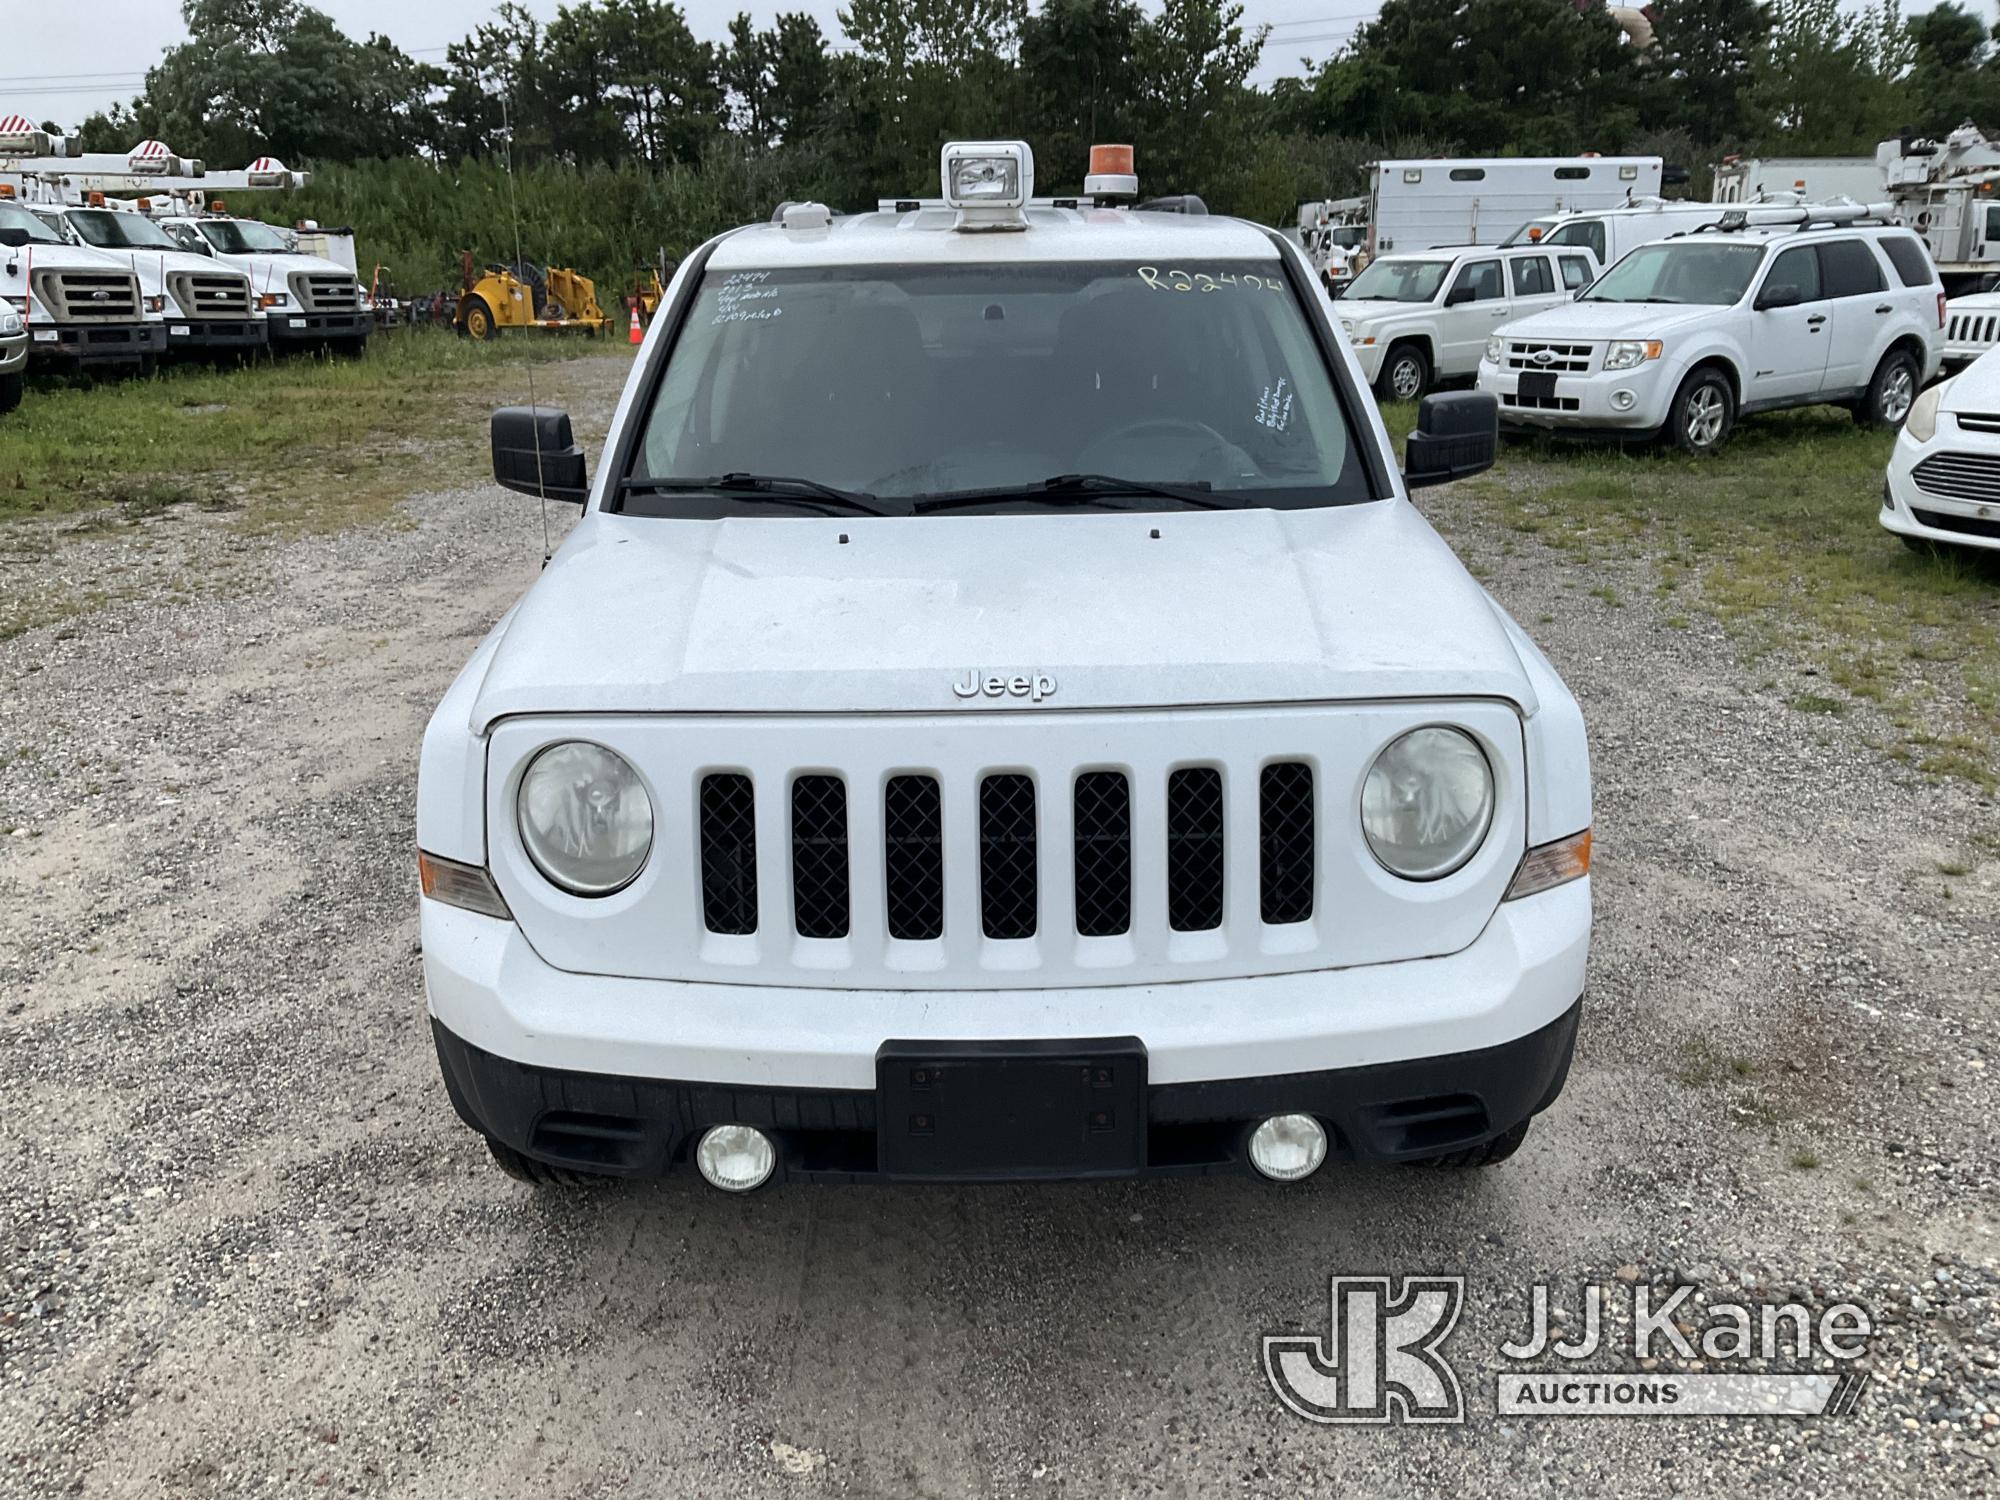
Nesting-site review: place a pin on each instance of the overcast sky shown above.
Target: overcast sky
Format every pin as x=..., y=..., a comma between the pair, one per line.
x=64, y=59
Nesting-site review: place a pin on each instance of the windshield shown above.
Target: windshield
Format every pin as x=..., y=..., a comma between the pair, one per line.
x=18, y=227
x=1706, y=272
x=115, y=231
x=243, y=237
x=914, y=381
x=1400, y=280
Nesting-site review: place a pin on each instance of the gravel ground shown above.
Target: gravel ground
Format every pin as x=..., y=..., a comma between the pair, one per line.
x=249, y=1250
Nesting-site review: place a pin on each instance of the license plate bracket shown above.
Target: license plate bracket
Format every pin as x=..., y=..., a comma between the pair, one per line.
x=1538, y=385
x=980, y=1110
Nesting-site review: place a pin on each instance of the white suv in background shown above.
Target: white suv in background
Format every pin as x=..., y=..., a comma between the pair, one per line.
x=1418, y=319
x=1684, y=335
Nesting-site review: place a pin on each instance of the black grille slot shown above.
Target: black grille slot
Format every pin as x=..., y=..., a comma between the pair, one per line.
x=1285, y=839
x=913, y=856
x=728, y=854
x=1007, y=856
x=819, y=856
x=1103, y=805
x=1194, y=849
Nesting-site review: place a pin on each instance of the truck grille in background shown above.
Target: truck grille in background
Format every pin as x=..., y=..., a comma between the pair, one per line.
x=1564, y=359
x=819, y=856
x=326, y=292
x=211, y=294
x=1972, y=328
x=1194, y=849
x=913, y=857
x=1007, y=886
x=89, y=296
x=1285, y=841
x=1103, y=821
x=728, y=854
x=1960, y=476
x=913, y=853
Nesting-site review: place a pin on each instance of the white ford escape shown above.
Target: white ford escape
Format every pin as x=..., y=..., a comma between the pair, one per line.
x=1001, y=716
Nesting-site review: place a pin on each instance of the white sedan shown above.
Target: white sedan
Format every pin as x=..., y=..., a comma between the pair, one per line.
x=1944, y=475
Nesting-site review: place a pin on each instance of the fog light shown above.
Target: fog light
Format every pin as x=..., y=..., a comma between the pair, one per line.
x=1623, y=400
x=737, y=1158
x=1287, y=1147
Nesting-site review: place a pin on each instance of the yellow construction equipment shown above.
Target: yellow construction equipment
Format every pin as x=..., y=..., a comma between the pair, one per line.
x=556, y=300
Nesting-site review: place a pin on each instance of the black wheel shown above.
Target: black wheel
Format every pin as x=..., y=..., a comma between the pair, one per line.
x=538, y=1174
x=11, y=387
x=1489, y=1154
x=1891, y=393
x=1406, y=374
x=149, y=366
x=1703, y=413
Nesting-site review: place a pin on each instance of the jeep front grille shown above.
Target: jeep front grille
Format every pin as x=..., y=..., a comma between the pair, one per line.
x=819, y=857
x=211, y=294
x=1960, y=476
x=913, y=857
x=1103, y=823
x=89, y=296
x=1556, y=359
x=1194, y=849
x=1285, y=842
x=1972, y=329
x=1007, y=887
x=325, y=292
x=728, y=854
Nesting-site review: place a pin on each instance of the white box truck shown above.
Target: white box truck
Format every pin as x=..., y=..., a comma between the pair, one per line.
x=1418, y=205
x=1816, y=179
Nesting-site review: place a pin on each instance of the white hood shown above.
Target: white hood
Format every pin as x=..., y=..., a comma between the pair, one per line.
x=1608, y=320
x=1976, y=387
x=783, y=613
x=272, y=273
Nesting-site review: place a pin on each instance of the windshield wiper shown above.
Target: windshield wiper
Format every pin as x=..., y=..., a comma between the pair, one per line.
x=1072, y=489
x=808, y=492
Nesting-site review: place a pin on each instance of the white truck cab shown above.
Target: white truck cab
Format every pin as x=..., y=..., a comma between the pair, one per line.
x=306, y=300
x=1766, y=308
x=84, y=309
x=1000, y=715
x=1611, y=234
x=206, y=304
x=1415, y=320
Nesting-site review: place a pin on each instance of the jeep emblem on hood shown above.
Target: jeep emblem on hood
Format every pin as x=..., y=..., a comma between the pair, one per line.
x=1035, y=688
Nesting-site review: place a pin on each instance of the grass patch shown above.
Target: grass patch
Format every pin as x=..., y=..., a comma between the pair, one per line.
x=301, y=442
x=1777, y=539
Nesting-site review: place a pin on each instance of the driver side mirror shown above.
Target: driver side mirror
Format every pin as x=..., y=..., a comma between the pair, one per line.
x=13, y=238
x=534, y=453
x=1458, y=296
x=1457, y=436
x=1778, y=296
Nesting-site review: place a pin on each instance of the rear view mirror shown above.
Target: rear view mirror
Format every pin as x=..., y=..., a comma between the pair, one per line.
x=1457, y=436
x=535, y=454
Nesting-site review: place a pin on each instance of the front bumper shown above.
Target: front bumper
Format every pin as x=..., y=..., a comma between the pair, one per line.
x=240, y=335
x=1400, y=1060
x=313, y=328
x=1950, y=520
x=1369, y=357
x=14, y=355
x=1585, y=402
x=80, y=345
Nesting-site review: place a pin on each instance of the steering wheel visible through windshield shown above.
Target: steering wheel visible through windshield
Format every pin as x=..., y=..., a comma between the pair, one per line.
x=910, y=383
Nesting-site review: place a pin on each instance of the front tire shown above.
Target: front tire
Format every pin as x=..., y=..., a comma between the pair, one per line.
x=1406, y=374
x=477, y=320
x=1891, y=393
x=11, y=387
x=1703, y=414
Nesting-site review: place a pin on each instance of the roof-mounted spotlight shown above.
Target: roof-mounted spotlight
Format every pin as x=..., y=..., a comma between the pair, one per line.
x=988, y=182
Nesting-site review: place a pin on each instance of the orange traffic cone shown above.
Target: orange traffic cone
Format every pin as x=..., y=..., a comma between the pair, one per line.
x=638, y=335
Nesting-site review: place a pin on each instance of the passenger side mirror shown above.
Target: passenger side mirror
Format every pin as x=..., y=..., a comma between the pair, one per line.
x=1458, y=296
x=1457, y=436
x=1778, y=296
x=535, y=454
x=13, y=238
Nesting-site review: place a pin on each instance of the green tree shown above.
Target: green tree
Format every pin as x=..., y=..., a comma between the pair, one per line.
x=1194, y=64
x=1707, y=52
x=1827, y=82
x=1080, y=81
x=1955, y=76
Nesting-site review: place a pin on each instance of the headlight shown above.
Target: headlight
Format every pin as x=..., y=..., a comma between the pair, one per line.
x=1921, y=423
x=1629, y=354
x=1427, y=803
x=1496, y=348
x=10, y=321
x=585, y=818
x=1347, y=325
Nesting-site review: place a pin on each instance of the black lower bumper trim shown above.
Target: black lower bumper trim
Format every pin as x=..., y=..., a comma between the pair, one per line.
x=313, y=328
x=80, y=344
x=638, y=1127
x=208, y=334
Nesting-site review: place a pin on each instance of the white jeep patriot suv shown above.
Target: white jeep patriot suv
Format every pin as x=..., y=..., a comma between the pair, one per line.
x=1418, y=319
x=1767, y=308
x=1001, y=716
